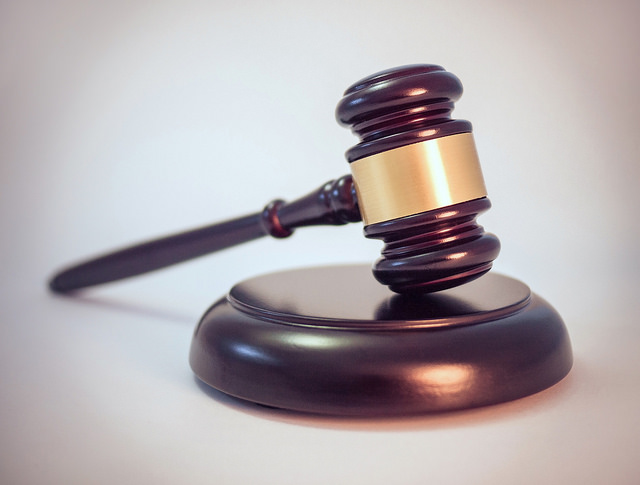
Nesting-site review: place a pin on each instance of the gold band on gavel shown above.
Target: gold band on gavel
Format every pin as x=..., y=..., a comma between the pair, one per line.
x=417, y=178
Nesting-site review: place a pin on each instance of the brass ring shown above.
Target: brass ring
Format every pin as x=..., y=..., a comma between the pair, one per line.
x=417, y=178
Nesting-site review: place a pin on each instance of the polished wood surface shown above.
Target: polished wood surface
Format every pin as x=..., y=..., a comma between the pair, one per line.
x=334, y=203
x=400, y=106
x=330, y=340
x=436, y=249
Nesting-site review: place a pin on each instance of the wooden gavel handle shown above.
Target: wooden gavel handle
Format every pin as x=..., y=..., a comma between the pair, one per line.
x=335, y=203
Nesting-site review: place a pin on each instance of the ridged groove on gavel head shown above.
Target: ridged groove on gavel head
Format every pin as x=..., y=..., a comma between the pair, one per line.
x=434, y=250
x=429, y=250
x=400, y=106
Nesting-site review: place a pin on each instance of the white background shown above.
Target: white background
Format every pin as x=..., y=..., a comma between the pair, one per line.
x=121, y=121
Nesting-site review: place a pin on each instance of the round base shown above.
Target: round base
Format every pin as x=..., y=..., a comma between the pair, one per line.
x=332, y=340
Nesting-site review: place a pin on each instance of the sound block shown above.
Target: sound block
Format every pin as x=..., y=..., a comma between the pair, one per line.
x=332, y=340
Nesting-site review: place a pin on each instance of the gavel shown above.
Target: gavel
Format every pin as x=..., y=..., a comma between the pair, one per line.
x=415, y=182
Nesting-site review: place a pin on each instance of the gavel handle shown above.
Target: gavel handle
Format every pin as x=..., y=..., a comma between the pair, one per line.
x=335, y=203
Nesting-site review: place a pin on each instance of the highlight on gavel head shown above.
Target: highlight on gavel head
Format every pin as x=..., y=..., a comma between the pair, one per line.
x=418, y=179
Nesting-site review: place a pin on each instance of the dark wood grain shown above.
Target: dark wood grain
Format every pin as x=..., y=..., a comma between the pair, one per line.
x=400, y=106
x=433, y=250
x=330, y=340
x=333, y=203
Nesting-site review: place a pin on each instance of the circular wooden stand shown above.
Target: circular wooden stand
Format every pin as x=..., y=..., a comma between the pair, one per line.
x=332, y=340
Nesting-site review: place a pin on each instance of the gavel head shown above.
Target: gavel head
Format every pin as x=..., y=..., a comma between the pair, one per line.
x=418, y=179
